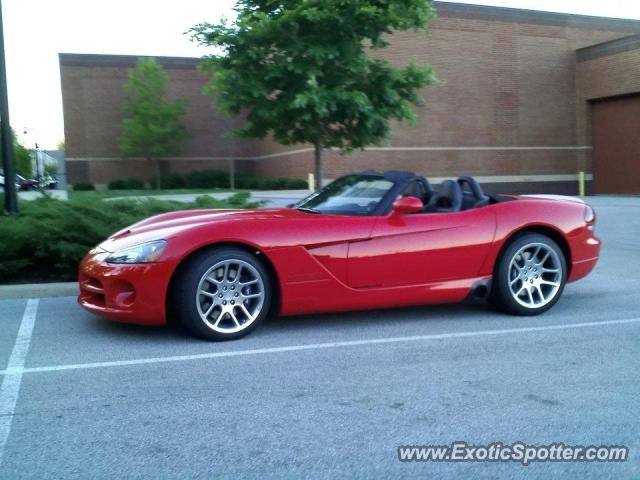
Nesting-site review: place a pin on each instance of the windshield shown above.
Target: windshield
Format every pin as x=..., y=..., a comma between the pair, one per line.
x=350, y=195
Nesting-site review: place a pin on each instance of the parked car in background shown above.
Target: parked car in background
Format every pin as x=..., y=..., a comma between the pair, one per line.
x=26, y=183
x=2, y=183
x=22, y=183
x=49, y=182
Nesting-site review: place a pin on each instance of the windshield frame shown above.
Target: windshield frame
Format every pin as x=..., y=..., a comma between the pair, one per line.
x=384, y=204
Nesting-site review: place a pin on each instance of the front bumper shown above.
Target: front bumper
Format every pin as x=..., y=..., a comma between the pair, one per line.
x=124, y=293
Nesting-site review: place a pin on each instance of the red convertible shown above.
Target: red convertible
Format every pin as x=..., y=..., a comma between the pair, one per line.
x=368, y=240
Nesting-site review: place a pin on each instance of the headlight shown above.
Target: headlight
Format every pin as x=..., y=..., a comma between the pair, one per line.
x=143, y=253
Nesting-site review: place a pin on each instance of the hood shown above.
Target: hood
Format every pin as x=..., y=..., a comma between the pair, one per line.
x=169, y=224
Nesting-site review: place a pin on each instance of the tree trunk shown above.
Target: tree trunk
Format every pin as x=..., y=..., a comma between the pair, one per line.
x=318, y=163
x=156, y=172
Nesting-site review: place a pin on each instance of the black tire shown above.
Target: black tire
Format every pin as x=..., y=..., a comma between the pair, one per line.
x=185, y=298
x=501, y=292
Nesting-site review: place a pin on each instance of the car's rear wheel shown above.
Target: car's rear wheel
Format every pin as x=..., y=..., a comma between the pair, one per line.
x=530, y=275
x=221, y=294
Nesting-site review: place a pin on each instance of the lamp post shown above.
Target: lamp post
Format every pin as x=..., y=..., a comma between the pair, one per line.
x=6, y=140
x=30, y=133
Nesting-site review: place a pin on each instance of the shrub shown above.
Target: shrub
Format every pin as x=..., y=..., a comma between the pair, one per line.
x=49, y=237
x=117, y=185
x=246, y=181
x=84, y=187
x=269, y=183
x=207, y=179
x=297, y=184
x=174, y=180
x=130, y=184
x=240, y=200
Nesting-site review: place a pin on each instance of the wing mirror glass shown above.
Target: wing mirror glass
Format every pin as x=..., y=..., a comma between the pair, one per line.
x=407, y=205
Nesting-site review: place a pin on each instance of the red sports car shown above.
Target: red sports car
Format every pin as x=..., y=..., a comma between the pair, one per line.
x=368, y=240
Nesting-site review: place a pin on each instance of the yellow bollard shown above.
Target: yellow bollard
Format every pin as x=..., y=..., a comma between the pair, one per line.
x=311, y=180
x=581, y=189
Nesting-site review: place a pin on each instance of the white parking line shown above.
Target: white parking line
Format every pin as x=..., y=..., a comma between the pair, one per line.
x=317, y=346
x=13, y=374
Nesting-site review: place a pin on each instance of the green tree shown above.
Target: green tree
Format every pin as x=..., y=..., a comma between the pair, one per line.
x=152, y=126
x=300, y=70
x=22, y=157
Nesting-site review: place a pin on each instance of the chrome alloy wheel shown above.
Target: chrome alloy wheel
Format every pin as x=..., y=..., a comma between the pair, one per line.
x=230, y=296
x=535, y=275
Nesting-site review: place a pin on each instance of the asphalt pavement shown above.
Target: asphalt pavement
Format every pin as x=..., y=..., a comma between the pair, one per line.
x=329, y=396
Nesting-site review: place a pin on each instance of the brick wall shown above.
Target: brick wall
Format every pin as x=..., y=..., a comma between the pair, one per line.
x=93, y=95
x=605, y=70
x=506, y=83
x=507, y=104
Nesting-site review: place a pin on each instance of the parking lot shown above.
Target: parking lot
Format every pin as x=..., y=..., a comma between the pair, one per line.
x=329, y=395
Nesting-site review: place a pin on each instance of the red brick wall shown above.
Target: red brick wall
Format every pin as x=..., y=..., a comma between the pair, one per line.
x=93, y=95
x=605, y=71
x=609, y=71
x=508, y=80
x=505, y=84
x=612, y=75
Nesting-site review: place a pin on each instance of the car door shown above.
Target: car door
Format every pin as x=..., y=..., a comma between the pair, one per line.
x=422, y=248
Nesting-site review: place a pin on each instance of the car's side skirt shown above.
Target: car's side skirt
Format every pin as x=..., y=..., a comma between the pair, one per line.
x=329, y=295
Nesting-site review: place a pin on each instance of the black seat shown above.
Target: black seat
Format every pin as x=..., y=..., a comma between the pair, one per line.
x=429, y=191
x=475, y=197
x=448, y=198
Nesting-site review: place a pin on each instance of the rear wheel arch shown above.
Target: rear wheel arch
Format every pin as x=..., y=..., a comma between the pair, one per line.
x=258, y=254
x=545, y=230
x=529, y=275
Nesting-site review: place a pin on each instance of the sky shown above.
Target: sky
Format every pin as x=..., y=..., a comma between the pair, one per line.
x=37, y=30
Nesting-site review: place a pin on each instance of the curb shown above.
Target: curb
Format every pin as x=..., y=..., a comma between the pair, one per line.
x=38, y=290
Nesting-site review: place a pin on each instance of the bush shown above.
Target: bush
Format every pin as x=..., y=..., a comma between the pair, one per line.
x=239, y=200
x=117, y=185
x=49, y=237
x=246, y=181
x=174, y=180
x=83, y=187
x=207, y=179
x=297, y=184
x=130, y=184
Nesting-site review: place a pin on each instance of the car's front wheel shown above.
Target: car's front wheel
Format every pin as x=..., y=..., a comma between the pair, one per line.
x=221, y=294
x=530, y=275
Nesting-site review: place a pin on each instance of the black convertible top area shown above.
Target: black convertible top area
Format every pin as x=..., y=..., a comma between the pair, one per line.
x=373, y=193
x=461, y=194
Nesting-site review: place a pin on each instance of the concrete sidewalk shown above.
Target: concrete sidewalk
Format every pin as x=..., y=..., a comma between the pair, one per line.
x=271, y=198
x=34, y=195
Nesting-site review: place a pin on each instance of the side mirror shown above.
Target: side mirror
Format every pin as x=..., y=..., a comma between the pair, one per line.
x=407, y=205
